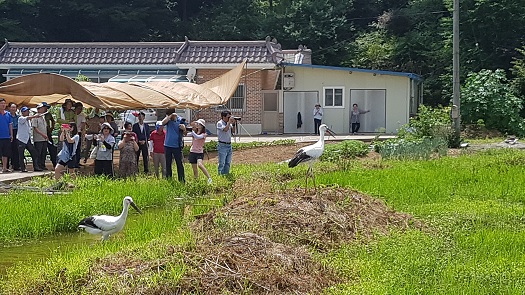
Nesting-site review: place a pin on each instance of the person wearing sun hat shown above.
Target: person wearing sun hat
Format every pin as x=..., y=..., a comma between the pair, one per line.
x=105, y=142
x=23, y=139
x=111, y=121
x=50, y=124
x=196, y=156
x=40, y=137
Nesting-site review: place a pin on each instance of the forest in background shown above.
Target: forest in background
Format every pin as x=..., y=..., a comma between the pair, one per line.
x=398, y=35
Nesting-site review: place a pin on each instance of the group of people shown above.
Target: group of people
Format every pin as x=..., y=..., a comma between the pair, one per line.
x=163, y=145
x=355, y=122
x=20, y=131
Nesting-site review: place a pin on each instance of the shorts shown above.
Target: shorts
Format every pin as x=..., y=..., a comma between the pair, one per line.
x=5, y=147
x=69, y=164
x=193, y=157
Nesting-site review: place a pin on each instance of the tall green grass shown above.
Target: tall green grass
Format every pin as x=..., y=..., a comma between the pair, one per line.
x=475, y=240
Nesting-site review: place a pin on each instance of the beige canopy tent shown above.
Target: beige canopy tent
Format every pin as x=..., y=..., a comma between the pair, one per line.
x=33, y=89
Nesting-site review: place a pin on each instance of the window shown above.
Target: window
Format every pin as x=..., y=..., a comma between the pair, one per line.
x=333, y=97
x=236, y=102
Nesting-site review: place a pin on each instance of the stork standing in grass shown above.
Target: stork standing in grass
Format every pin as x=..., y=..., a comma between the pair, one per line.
x=310, y=154
x=107, y=225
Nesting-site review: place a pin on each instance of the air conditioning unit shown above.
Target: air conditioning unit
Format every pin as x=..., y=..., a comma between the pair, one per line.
x=288, y=81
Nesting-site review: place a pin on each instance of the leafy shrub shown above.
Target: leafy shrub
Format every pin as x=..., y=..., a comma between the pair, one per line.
x=489, y=96
x=413, y=149
x=342, y=153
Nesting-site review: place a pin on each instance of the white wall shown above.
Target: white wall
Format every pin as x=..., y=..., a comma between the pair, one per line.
x=397, y=93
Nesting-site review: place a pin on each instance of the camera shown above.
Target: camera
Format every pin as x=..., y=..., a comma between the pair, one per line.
x=65, y=126
x=237, y=118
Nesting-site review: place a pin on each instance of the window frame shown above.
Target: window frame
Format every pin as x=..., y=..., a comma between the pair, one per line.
x=228, y=107
x=333, y=106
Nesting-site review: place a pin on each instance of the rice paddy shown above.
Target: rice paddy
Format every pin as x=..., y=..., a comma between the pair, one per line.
x=472, y=240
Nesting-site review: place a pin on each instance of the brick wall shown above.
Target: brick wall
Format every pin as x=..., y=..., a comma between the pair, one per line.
x=253, y=84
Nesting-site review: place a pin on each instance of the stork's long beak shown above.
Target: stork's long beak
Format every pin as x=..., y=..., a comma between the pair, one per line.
x=135, y=206
x=331, y=132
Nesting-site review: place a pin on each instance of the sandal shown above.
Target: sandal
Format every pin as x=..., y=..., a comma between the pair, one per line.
x=6, y=171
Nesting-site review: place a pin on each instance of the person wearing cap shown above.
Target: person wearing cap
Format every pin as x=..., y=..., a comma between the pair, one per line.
x=40, y=136
x=14, y=159
x=198, y=134
x=142, y=131
x=66, y=156
x=111, y=121
x=224, y=147
x=318, y=118
x=105, y=142
x=173, y=144
x=6, y=135
x=50, y=124
x=23, y=139
x=156, y=148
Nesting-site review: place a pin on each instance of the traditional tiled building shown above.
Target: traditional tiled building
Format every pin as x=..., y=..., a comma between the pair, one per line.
x=276, y=87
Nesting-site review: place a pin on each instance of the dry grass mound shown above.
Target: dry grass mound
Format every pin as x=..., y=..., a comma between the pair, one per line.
x=247, y=263
x=259, y=244
x=322, y=221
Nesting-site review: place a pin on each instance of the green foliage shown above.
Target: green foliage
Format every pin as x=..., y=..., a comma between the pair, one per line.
x=343, y=152
x=487, y=95
x=412, y=149
x=82, y=78
x=428, y=133
x=429, y=122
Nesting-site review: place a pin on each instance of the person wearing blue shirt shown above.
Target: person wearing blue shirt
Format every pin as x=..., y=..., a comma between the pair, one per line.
x=15, y=157
x=6, y=134
x=173, y=144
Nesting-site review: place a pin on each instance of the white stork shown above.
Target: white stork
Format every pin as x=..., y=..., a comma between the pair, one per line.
x=107, y=225
x=310, y=154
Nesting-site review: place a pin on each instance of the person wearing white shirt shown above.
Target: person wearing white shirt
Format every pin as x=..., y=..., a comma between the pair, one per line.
x=318, y=117
x=23, y=138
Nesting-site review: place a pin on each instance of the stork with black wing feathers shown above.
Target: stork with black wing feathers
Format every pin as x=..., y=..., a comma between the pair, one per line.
x=106, y=225
x=310, y=154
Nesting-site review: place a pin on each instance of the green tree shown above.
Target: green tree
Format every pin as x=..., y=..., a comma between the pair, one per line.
x=487, y=95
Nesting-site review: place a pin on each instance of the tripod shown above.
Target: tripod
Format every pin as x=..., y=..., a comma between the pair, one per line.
x=237, y=131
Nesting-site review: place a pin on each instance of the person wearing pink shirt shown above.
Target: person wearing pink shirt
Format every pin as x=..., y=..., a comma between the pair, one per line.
x=197, y=149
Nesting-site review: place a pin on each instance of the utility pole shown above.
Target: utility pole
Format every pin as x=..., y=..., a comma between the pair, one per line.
x=455, y=114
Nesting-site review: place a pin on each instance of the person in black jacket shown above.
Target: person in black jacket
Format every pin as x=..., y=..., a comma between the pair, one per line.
x=142, y=131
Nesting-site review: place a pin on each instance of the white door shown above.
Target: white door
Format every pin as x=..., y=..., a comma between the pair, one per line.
x=270, y=115
x=373, y=100
x=299, y=105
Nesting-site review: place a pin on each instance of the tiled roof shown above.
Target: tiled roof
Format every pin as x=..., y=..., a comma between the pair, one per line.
x=140, y=53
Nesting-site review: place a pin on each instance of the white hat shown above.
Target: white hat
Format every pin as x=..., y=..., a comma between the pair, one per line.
x=106, y=124
x=202, y=122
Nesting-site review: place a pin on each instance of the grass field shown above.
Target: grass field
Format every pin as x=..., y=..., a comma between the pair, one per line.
x=472, y=241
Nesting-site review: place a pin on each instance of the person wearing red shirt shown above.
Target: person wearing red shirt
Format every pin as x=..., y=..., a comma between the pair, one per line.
x=156, y=148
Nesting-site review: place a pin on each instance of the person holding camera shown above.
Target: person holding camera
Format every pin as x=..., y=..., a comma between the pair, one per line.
x=173, y=144
x=66, y=156
x=128, y=147
x=105, y=142
x=198, y=134
x=224, y=136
